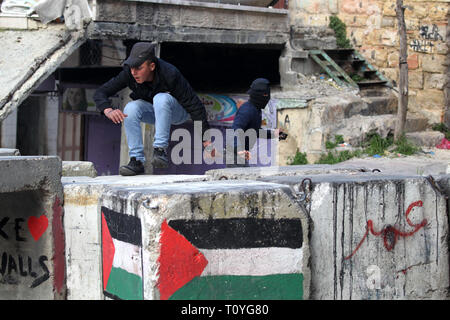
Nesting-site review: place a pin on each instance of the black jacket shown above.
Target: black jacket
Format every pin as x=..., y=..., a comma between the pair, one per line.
x=167, y=79
x=248, y=117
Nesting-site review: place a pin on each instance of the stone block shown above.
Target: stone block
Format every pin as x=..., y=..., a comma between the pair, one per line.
x=78, y=168
x=82, y=225
x=388, y=22
x=114, y=11
x=389, y=8
x=425, y=138
x=392, y=59
x=390, y=73
x=413, y=61
x=434, y=63
x=9, y=152
x=375, y=235
x=435, y=81
x=415, y=79
x=32, y=235
x=254, y=173
x=438, y=12
x=206, y=240
x=431, y=98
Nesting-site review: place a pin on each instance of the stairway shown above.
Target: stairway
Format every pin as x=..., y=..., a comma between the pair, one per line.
x=347, y=67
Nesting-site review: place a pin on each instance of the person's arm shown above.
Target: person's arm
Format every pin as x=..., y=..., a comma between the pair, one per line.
x=242, y=119
x=108, y=89
x=102, y=94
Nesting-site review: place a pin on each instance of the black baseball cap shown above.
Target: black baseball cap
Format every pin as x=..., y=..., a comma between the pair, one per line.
x=259, y=86
x=140, y=52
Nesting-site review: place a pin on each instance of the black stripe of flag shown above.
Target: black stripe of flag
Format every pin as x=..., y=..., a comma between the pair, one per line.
x=235, y=233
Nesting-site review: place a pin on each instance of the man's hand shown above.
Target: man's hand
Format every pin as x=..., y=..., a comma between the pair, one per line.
x=209, y=149
x=245, y=154
x=115, y=115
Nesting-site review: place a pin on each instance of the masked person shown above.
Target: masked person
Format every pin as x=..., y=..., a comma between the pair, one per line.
x=161, y=96
x=248, y=119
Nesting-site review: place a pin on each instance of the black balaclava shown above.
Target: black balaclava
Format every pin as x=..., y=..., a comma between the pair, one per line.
x=259, y=93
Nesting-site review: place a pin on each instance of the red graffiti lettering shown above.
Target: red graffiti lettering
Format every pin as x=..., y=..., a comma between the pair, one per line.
x=389, y=233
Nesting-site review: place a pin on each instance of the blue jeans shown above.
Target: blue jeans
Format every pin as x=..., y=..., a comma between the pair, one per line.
x=164, y=112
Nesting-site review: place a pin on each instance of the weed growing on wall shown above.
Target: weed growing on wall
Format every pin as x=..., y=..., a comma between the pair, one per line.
x=403, y=146
x=373, y=145
x=340, y=31
x=441, y=127
x=377, y=145
x=298, y=159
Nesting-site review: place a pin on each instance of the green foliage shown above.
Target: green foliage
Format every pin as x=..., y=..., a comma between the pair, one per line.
x=373, y=145
x=405, y=147
x=377, y=145
x=441, y=127
x=336, y=157
x=298, y=159
x=338, y=139
x=340, y=31
x=356, y=77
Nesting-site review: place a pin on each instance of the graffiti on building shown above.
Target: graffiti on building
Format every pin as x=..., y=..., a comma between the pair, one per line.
x=389, y=233
x=432, y=34
x=428, y=35
x=425, y=46
x=17, y=264
x=121, y=255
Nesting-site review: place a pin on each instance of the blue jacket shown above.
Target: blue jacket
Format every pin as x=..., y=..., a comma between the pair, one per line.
x=248, y=117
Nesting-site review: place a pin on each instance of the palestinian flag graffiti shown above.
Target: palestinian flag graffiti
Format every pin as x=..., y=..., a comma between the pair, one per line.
x=121, y=255
x=238, y=258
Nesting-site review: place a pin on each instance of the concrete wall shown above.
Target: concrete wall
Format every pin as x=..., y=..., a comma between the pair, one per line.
x=347, y=233
x=82, y=227
x=31, y=229
x=189, y=21
x=204, y=240
x=376, y=236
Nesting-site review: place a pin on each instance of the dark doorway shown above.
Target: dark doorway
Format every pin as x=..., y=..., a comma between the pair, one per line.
x=31, y=129
x=220, y=68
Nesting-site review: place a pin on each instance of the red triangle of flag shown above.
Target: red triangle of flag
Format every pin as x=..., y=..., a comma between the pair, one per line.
x=179, y=261
x=108, y=250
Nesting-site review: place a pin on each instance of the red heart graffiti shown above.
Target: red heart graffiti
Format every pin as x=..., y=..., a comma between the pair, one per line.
x=37, y=226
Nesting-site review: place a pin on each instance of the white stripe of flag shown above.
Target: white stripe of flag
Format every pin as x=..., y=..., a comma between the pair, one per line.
x=252, y=261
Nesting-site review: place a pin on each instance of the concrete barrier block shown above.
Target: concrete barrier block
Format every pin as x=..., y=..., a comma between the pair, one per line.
x=4, y=152
x=252, y=173
x=204, y=240
x=82, y=225
x=32, y=262
x=78, y=168
x=376, y=236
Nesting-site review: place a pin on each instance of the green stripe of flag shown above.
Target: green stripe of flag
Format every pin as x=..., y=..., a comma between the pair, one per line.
x=125, y=285
x=270, y=287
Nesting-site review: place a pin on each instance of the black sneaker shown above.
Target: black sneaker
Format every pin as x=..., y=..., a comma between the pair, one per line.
x=133, y=168
x=160, y=159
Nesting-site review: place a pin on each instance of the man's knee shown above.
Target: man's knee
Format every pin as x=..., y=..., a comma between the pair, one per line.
x=132, y=109
x=162, y=100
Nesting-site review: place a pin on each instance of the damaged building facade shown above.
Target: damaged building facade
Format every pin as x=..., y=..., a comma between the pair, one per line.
x=220, y=47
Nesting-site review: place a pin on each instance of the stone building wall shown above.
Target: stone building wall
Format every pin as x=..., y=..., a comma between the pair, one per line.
x=373, y=30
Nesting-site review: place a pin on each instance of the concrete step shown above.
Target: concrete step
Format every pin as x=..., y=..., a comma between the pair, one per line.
x=416, y=123
x=425, y=138
x=386, y=104
x=355, y=129
x=375, y=91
